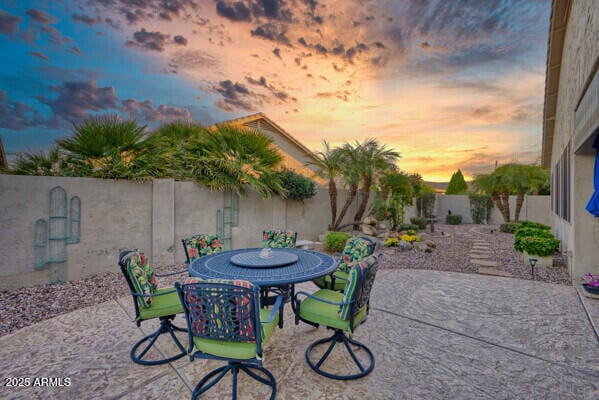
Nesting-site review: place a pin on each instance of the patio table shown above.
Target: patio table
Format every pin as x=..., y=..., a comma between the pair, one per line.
x=279, y=273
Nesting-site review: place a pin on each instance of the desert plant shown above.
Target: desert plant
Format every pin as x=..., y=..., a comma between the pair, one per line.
x=419, y=221
x=297, y=187
x=531, y=224
x=522, y=233
x=539, y=246
x=453, y=219
x=408, y=227
x=392, y=242
x=335, y=241
x=508, y=227
x=481, y=206
x=427, y=203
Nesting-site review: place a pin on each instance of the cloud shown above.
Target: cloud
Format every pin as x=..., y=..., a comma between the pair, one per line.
x=15, y=115
x=8, y=23
x=193, y=59
x=145, y=111
x=277, y=93
x=235, y=95
x=277, y=52
x=86, y=19
x=41, y=16
x=271, y=31
x=76, y=99
x=154, y=41
x=180, y=40
x=272, y=9
x=341, y=95
x=236, y=11
x=39, y=54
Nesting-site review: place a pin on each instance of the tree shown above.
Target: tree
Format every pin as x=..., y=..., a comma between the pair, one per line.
x=350, y=170
x=516, y=179
x=328, y=166
x=457, y=184
x=399, y=187
x=231, y=157
x=373, y=160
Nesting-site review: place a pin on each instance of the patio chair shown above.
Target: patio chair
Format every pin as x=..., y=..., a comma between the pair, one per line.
x=150, y=302
x=341, y=312
x=200, y=245
x=278, y=238
x=225, y=322
x=356, y=249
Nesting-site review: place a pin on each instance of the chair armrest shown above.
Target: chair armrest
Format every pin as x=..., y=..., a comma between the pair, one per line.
x=318, y=298
x=183, y=271
x=154, y=294
x=275, y=310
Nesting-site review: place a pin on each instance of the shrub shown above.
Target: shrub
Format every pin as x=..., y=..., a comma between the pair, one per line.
x=481, y=206
x=410, y=238
x=539, y=246
x=453, y=219
x=297, y=187
x=419, y=221
x=525, y=232
x=392, y=242
x=427, y=202
x=407, y=227
x=531, y=224
x=508, y=227
x=335, y=241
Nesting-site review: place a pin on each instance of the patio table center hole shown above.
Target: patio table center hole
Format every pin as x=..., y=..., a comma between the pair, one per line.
x=252, y=259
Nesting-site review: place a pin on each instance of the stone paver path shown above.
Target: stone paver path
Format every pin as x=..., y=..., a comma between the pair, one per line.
x=480, y=254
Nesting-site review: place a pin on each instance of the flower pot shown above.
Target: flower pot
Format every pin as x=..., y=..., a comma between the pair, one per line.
x=591, y=289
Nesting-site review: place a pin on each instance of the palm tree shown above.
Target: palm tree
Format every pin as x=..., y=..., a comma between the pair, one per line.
x=350, y=170
x=230, y=157
x=40, y=163
x=509, y=179
x=328, y=167
x=373, y=161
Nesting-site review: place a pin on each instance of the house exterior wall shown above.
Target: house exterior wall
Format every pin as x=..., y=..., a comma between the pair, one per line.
x=579, y=58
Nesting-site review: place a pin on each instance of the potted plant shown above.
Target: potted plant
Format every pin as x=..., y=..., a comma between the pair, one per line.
x=590, y=284
x=541, y=248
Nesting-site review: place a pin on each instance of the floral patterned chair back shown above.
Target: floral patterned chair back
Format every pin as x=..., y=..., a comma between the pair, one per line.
x=277, y=238
x=200, y=245
x=356, y=249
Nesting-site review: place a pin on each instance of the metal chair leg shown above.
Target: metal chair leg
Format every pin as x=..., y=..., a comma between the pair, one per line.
x=166, y=326
x=340, y=337
x=213, y=377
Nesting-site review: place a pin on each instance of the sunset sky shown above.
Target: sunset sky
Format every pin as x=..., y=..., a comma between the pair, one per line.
x=449, y=84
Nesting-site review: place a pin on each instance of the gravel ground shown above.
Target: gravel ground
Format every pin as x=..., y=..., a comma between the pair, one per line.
x=23, y=307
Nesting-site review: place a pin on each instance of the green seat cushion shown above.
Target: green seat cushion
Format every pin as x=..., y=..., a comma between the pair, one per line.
x=237, y=350
x=325, y=281
x=168, y=304
x=327, y=314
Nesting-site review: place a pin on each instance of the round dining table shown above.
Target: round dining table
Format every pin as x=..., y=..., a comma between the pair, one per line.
x=278, y=271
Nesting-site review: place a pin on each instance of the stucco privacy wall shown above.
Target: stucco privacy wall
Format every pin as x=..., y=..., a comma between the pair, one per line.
x=534, y=208
x=153, y=216
x=580, y=235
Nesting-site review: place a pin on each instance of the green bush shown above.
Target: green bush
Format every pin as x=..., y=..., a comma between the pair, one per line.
x=453, y=219
x=407, y=227
x=508, y=227
x=297, y=187
x=334, y=242
x=526, y=232
x=539, y=246
x=419, y=221
x=481, y=206
x=531, y=224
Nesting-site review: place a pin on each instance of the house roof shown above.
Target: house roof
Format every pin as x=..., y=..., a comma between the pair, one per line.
x=555, y=46
x=261, y=122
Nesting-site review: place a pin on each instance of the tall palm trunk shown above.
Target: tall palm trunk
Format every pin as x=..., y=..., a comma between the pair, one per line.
x=501, y=206
x=365, y=195
x=333, y=200
x=519, y=202
x=505, y=199
x=353, y=190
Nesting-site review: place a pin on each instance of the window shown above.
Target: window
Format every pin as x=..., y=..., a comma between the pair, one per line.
x=560, y=193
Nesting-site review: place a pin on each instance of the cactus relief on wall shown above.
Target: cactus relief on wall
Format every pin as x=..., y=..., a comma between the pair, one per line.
x=52, y=235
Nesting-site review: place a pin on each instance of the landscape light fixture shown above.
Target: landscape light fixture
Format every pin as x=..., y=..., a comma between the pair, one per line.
x=532, y=262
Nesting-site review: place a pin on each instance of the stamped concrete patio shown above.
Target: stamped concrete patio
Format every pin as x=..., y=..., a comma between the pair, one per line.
x=435, y=335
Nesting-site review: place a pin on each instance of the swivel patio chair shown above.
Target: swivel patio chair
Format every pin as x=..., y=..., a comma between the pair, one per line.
x=200, y=245
x=278, y=238
x=356, y=249
x=150, y=302
x=341, y=312
x=225, y=322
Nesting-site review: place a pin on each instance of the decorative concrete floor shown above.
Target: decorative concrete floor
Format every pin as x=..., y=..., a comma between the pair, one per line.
x=435, y=335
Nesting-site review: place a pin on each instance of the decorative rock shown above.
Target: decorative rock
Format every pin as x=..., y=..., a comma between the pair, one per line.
x=430, y=243
x=368, y=230
x=382, y=225
x=403, y=245
x=424, y=236
x=394, y=234
x=369, y=220
x=421, y=246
